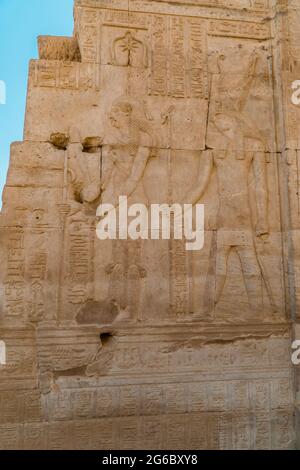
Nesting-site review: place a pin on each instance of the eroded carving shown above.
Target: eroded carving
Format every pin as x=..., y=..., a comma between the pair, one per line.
x=139, y=343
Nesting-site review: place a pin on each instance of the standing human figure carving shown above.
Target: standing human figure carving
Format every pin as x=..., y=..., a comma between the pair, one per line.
x=127, y=161
x=234, y=219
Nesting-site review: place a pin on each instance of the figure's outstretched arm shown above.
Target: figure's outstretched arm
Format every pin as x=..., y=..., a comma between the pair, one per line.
x=204, y=175
x=260, y=175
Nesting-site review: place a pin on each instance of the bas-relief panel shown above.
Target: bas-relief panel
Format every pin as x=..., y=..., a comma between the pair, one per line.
x=163, y=109
x=190, y=80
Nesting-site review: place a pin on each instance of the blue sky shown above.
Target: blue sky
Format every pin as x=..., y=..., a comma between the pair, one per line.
x=21, y=21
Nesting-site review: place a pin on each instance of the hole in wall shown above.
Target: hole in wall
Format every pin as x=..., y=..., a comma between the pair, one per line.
x=106, y=338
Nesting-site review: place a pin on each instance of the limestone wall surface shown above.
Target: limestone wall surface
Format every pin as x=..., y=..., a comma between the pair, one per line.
x=141, y=344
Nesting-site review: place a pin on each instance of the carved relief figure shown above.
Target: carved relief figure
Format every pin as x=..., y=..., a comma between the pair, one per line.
x=234, y=221
x=234, y=97
x=129, y=51
x=127, y=161
x=235, y=230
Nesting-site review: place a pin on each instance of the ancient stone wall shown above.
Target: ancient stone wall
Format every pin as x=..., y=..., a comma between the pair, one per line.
x=142, y=344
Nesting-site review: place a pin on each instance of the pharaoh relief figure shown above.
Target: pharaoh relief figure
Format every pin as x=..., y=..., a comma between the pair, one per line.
x=243, y=149
x=131, y=132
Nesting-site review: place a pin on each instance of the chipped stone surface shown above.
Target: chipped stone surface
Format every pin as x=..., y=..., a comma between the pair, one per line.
x=141, y=344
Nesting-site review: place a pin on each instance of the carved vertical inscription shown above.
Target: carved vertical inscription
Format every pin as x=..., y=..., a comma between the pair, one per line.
x=88, y=38
x=37, y=274
x=180, y=279
x=179, y=58
x=177, y=62
x=14, y=286
x=159, y=60
x=198, y=61
x=79, y=263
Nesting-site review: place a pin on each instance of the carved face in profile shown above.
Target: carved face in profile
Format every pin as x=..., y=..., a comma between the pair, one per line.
x=120, y=115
